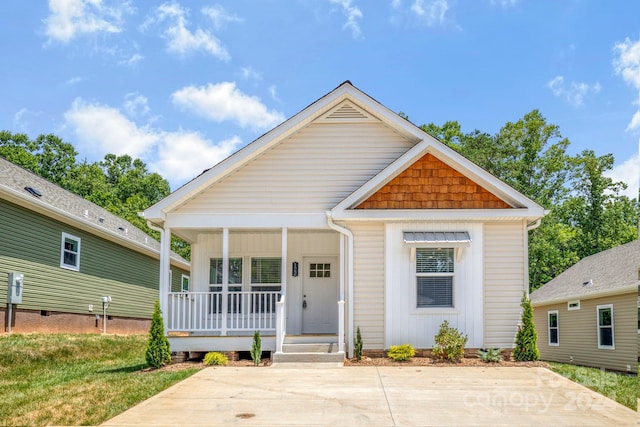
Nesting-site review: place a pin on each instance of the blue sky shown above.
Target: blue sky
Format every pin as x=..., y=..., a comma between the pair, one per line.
x=183, y=84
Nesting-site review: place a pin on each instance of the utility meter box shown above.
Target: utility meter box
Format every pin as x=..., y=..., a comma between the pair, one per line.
x=15, y=288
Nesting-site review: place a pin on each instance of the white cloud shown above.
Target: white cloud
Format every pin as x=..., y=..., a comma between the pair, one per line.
x=104, y=130
x=23, y=119
x=223, y=101
x=431, y=11
x=273, y=92
x=71, y=18
x=504, y=3
x=353, y=15
x=136, y=105
x=629, y=173
x=73, y=80
x=184, y=155
x=220, y=16
x=181, y=40
x=177, y=156
x=574, y=93
x=250, y=73
x=132, y=60
x=627, y=65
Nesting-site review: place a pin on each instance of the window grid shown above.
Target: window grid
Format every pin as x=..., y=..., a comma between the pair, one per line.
x=70, y=252
x=554, y=338
x=434, y=277
x=606, y=338
x=319, y=270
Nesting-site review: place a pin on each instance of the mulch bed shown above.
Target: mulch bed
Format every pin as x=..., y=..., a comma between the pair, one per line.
x=427, y=361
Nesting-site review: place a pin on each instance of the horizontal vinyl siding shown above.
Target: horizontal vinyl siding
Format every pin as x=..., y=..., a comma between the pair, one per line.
x=578, y=333
x=368, y=303
x=30, y=244
x=311, y=171
x=504, y=281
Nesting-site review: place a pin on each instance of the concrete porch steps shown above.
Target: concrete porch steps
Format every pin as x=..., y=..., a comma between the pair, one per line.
x=300, y=349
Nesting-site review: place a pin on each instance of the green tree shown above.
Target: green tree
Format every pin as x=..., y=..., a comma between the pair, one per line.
x=526, y=339
x=158, y=350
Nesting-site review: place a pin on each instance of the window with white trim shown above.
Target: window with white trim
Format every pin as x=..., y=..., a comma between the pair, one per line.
x=606, y=339
x=434, y=277
x=215, y=284
x=184, y=283
x=70, y=252
x=266, y=276
x=573, y=305
x=554, y=337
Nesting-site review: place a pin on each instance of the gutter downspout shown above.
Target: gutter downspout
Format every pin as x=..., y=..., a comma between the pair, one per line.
x=163, y=289
x=349, y=235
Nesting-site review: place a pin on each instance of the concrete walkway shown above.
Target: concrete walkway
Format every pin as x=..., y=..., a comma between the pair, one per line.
x=377, y=396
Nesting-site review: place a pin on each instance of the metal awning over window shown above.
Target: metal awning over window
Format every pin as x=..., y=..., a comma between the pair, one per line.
x=444, y=238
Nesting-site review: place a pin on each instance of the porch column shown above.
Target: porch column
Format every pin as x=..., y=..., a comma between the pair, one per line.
x=283, y=272
x=225, y=279
x=165, y=275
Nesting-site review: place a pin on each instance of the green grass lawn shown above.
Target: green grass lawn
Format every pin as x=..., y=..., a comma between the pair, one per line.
x=75, y=379
x=624, y=389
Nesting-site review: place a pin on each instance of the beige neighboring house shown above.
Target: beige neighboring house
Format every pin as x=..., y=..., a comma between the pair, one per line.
x=588, y=315
x=344, y=216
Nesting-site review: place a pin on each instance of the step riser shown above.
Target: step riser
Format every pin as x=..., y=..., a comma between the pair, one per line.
x=310, y=339
x=310, y=348
x=308, y=357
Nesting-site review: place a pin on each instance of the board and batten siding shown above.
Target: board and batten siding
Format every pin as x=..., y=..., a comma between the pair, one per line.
x=247, y=244
x=505, y=280
x=368, y=272
x=578, y=333
x=418, y=326
x=311, y=171
x=30, y=243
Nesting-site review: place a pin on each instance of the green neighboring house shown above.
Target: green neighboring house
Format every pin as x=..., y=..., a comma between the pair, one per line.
x=72, y=253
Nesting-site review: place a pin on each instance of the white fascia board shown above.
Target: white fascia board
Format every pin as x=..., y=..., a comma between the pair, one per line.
x=447, y=155
x=434, y=214
x=246, y=220
x=26, y=201
x=582, y=297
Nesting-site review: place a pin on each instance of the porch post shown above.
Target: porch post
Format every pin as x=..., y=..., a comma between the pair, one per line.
x=283, y=280
x=225, y=279
x=165, y=275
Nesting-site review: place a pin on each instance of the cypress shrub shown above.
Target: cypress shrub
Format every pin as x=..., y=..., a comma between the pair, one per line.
x=527, y=338
x=158, y=350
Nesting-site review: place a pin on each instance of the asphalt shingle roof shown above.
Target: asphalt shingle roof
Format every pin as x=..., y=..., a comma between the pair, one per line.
x=604, y=272
x=16, y=179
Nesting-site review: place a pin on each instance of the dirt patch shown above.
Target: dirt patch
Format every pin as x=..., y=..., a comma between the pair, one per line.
x=427, y=361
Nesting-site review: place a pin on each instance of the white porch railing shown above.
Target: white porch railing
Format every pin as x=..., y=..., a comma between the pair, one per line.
x=203, y=312
x=281, y=321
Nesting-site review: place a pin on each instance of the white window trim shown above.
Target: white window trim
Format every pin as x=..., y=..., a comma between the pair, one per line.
x=557, y=328
x=182, y=278
x=573, y=302
x=62, y=251
x=433, y=309
x=613, y=335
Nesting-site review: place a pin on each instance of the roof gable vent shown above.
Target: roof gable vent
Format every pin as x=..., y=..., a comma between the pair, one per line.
x=347, y=112
x=33, y=191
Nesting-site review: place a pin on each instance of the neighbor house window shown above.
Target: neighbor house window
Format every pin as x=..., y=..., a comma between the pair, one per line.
x=266, y=276
x=554, y=339
x=70, y=252
x=606, y=338
x=434, y=277
x=573, y=305
x=184, y=283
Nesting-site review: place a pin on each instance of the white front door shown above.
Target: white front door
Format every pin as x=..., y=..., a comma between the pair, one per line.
x=320, y=296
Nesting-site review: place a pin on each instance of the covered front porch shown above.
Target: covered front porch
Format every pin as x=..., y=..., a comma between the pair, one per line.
x=281, y=282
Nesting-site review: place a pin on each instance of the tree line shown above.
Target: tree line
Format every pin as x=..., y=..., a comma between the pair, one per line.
x=588, y=212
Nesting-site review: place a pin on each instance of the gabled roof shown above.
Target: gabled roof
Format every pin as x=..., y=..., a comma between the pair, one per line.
x=333, y=107
x=609, y=272
x=33, y=192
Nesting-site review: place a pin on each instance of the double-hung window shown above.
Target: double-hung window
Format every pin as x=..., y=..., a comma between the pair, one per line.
x=266, y=276
x=184, y=283
x=434, y=277
x=70, y=252
x=235, y=283
x=606, y=338
x=554, y=337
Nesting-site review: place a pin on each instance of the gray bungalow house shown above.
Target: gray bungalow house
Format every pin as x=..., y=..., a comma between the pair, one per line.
x=588, y=314
x=66, y=254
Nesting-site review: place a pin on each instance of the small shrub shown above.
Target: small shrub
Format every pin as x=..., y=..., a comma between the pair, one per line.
x=490, y=355
x=256, y=348
x=357, y=345
x=400, y=353
x=526, y=340
x=214, y=358
x=449, y=343
x=158, y=350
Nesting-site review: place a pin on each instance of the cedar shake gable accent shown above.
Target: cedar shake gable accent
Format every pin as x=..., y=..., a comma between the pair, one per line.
x=431, y=184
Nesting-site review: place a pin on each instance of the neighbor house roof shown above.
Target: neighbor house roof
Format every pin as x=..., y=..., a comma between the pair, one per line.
x=609, y=272
x=55, y=202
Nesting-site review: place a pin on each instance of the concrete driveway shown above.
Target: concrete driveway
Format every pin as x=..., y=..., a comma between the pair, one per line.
x=377, y=396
